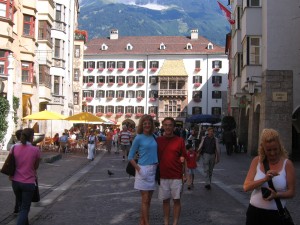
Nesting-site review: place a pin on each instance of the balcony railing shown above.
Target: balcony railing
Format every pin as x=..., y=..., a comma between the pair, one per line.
x=58, y=63
x=172, y=114
x=171, y=92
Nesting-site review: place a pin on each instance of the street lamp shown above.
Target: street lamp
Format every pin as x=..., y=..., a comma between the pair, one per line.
x=251, y=85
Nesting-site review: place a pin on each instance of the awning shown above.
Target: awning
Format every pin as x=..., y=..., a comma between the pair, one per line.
x=173, y=68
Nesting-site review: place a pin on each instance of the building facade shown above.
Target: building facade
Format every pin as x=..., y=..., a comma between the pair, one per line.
x=263, y=55
x=126, y=77
x=39, y=37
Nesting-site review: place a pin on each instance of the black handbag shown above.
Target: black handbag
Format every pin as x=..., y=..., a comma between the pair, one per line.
x=9, y=166
x=36, y=193
x=284, y=214
x=130, y=168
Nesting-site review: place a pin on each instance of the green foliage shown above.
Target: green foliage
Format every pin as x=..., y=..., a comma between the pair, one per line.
x=4, y=107
x=228, y=123
x=16, y=105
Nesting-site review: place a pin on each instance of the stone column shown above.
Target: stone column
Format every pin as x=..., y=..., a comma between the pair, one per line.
x=277, y=104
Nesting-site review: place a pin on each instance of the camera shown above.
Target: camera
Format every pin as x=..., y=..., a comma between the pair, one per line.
x=265, y=192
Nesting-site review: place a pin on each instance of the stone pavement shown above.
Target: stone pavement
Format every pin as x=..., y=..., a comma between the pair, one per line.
x=75, y=191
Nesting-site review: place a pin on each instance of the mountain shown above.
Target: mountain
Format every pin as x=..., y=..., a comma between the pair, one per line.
x=154, y=18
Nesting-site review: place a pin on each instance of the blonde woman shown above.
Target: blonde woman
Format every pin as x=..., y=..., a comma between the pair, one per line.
x=263, y=209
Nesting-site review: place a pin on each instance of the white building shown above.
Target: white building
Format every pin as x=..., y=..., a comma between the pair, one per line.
x=125, y=77
x=263, y=50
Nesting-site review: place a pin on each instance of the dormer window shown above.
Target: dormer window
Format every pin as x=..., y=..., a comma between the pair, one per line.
x=162, y=46
x=129, y=47
x=210, y=46
x=189, y=46
x=104, y=47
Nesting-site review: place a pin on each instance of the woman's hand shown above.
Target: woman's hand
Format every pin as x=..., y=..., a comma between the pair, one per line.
x=270, y=174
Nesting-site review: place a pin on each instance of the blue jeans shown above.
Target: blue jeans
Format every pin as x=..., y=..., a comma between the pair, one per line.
x=24, y=193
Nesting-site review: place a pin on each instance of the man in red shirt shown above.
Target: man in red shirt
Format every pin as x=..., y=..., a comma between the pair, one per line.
x=172, y=155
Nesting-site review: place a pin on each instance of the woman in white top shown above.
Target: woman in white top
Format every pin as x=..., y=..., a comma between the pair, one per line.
x=263, y=210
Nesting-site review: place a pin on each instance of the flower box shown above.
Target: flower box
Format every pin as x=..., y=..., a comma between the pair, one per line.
x=140, y=69
x=100, y=84
x=216, y=84
x=139, y=114
x=119, y=114
x=153, y=114
x=128, y=114
x=197, y=84
x=89, y=99
x=90, y=69
x=197, y=69
x=100, y=69
x=89, y=84
x=152, y=99
x=130, y=69
x=120, y=69
x=139, y=98
x=99, y=114
x=120, y=83
x=111, y=83
x=140, y=83
x=120, y=98
x=216, y=69
x=153, y=69
x=110, y=69
x=109, y=98
x=109, y=114
x=130, y=84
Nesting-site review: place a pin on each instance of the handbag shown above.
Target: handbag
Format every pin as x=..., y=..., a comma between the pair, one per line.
x=36, y=193
x=284, y=214
x=157, y=175
x=130, y=168
x=9, y=166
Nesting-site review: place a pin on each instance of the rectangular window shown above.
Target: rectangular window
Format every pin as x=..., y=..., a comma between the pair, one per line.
x=216, y=94
x=130, y=94
x=110, y=93
x=2, y=68
x=28, y=25
x=172, y=85
x=77, y=51
x=253, y=3
x=44, y=75
x=101, y=65
x=57, y=48
x=2, y=9
x=121, y=64
x=130, y=79
x=139, y=109
x=216, y=79
x=100, y=94
x=129, y=109
x=153, y=94
x=58, y=14
x=197, y=64
x=172, y=106
x=153, y=109
x=197, y=94
x=154, y=64
x=3, y=61
x=216, y=111
x=56, y=85
x=119, y=109
x=99, y=108
x=111, y=79
x=217, y=64
x=131, y=64
x=101, y=79
x=27, y=72
x=140, y=65
x=196, y=110
x=76, y=98
x=120, y=94
x=153, y=80
x=88, y=94
x=76, y=74
x=44, y=30
x=6, y=8
x=197, y=79
x=90, y=109
x=121, y=79
x=110, y=108
x=254, y=51
x=141, y=79
x=111, y=64
x=91, y=64
x=140, y=94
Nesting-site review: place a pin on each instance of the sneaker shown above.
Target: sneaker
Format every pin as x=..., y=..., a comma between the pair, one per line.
x=123, y=158
x=189, y=187
x=207, y=186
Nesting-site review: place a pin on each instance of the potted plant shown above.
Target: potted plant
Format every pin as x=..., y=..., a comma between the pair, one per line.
x=152, y=99
x=109, y=98
x=90, y=69
x=153, y=114
x=129, y=83
x=197, y=69
x=120, y=83
x=100, y=83
x=89, y=99
x=130, y=69
x=119, y=114
x=89, y=84
x=139, y=114
x=120, y=69
x=140, y=69
x=153, y=69
x=100, y=69
x=140, y=83
x=109, y=114
x=216, y=69
x=110, y=69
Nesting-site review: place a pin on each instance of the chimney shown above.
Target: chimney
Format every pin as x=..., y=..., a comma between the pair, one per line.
x=114, y=34
x=194, y=34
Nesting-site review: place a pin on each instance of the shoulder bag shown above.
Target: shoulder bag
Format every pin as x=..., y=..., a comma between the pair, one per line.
x=284, y=214
x=9, y=166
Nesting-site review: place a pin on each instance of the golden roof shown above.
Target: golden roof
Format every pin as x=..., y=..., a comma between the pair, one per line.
x=172, y=68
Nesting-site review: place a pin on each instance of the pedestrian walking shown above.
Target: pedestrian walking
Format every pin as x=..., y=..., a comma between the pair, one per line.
x=109, y=138
x=145, y=145
x=263, y=208
x=115, y=141
x=191, y=162
x=209, y=148
x=92, y=142
x=124, y=141
x=228, y=141
x=27, y=158
x=172, y=164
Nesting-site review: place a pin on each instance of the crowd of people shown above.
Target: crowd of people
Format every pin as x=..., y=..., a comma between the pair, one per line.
x=173, y=152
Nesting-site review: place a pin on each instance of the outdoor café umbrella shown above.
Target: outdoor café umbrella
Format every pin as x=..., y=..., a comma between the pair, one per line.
x=84, y=117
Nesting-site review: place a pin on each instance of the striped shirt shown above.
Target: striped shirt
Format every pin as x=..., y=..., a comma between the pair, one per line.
x=124, y=137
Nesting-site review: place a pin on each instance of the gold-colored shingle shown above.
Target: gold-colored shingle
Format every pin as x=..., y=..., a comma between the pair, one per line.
x=173, y=68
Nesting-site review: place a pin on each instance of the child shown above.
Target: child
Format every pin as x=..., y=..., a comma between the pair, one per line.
x=191, y=156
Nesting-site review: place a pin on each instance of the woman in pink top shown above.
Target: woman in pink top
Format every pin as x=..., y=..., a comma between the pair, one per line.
x=27, y=159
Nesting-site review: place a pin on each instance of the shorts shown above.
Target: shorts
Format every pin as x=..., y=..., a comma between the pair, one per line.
x=145, y=179
x=191, y=171
x=170, y=188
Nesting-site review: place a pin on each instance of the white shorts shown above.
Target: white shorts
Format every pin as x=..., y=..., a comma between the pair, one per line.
x=169, y=188
x=145, y=179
